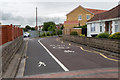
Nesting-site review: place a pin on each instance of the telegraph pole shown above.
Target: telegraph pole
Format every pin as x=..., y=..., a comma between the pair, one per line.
x=36, y=23
x=36, y=18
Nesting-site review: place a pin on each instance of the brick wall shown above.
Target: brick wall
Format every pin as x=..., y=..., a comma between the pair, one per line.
x=9, y=49
x=104, y=44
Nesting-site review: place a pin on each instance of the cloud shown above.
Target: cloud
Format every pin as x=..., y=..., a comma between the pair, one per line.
x=60, y=0
x=23, y=11
x=8, y=18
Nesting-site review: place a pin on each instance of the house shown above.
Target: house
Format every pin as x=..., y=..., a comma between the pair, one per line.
x=78, y=17
x=58, y=26
x=108, y=21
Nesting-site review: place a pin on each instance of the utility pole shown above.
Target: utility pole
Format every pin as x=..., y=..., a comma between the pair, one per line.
x=36, y=18
x=36, y=23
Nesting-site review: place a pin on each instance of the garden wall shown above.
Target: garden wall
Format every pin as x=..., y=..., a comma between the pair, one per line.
x=104, y=44
x=9, y=49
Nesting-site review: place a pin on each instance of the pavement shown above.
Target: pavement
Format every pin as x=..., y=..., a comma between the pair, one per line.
x=14, y=64
x=48, y=57
x=90, y=73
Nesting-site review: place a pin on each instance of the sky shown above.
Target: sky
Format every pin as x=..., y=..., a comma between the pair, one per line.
x=22, y=12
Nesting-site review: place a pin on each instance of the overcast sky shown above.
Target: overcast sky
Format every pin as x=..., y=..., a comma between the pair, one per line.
x=23, y=11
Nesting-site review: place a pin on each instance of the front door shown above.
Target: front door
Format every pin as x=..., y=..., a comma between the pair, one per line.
x=108, y=27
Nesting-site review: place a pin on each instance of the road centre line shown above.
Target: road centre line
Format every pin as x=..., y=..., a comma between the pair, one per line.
x=98, y=53
x=63, y=67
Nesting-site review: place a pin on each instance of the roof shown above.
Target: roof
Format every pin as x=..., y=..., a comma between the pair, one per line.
x=113, y=13
x=71, y=22
x=93, y=11
x=96, y=11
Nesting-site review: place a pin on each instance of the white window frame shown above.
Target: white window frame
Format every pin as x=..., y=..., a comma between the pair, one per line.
x=101, y=27
x=89, y=16
x=116, y=24
x=93, y=27
x=79, y=17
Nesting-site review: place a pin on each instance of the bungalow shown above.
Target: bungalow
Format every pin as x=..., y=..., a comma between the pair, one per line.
x=108, y=21
x=78, y=17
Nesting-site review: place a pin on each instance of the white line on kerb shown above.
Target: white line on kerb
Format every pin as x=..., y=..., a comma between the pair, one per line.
x=64, y=68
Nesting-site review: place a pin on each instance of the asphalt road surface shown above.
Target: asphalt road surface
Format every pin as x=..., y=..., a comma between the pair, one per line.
x=48, y=55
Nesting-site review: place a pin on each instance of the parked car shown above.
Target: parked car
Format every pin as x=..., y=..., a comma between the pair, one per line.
x=26, y=34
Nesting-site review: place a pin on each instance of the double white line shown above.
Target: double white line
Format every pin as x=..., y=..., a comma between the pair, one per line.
x=63, y=67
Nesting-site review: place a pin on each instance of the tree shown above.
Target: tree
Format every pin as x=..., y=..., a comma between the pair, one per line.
x=49, y=26
x=27, y=27
x=62, y=27
x=32, y=28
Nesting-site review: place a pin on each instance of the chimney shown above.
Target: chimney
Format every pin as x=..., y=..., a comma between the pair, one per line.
x=119, y=3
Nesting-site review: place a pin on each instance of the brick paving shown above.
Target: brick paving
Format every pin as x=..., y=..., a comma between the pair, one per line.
x=92, y=73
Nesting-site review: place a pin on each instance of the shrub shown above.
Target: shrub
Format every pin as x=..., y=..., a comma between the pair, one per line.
x=59, y=32
x=53, y=33
x=74, y=33
x=115, y=36
x=48, y=33
x=44, y=34
x=82, y=35
x=85, y=26
x=103, y=35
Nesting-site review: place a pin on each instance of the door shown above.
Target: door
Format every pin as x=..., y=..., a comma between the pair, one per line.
x=108, y=27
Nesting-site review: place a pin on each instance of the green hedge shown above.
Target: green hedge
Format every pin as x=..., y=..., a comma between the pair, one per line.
x=53, y=33
x=44, y=34
x=48, y=34
x=115, y=36
x=103, y=35
x=74, y=33
x=82, y=35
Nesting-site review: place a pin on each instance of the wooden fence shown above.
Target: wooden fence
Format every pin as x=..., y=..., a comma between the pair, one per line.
x=9, y=33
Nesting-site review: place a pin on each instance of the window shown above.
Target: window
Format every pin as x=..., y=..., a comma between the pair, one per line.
x=116, y=26
x=88, y=17
x=100, y=27
x=93, y=27
x=80, y=17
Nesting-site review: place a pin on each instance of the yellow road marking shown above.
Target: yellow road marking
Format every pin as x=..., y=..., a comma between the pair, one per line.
x=57, y=39
x=69, y=44
x=99, y=54
x=62, y=42
x=105, y=56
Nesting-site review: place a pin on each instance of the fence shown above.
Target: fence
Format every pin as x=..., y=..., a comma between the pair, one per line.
x=9, y=33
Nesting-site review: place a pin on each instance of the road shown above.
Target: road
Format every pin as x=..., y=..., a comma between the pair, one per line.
x=49, y=55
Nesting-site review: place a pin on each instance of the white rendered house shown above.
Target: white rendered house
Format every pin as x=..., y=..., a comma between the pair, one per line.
x=104, y=22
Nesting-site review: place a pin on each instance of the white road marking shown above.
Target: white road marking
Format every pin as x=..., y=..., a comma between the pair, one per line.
x=62, y=42
x=52, y=45
x=68, y=47
x=64, y=68
x=41, y=63
x=68, y=51
x=61, y=47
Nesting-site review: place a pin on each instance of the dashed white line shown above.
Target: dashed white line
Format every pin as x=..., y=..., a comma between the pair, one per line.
x=63, y=67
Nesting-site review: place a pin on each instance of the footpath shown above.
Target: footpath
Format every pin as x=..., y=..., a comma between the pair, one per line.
x=14, y=64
